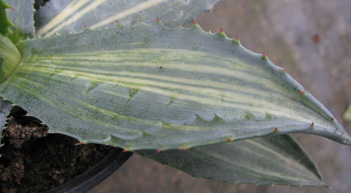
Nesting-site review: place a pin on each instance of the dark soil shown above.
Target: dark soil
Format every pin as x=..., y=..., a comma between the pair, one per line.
x=34, y=161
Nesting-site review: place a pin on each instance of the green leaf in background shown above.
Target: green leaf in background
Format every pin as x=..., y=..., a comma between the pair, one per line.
x=10, y=57
x=5, y=23
x=347, y=114
x=152, y=87
x=70, y=16
x=5, y=108
x=266, y=160
x=22, y=16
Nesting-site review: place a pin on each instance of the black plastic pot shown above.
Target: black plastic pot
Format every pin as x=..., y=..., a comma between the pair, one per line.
x=96, y=174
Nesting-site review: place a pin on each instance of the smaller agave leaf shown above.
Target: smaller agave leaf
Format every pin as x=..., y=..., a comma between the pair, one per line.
x=5, y=23
x=70, y=16
x=275, y=160
x=22, y=15
x=5, y=108
x=347, y=114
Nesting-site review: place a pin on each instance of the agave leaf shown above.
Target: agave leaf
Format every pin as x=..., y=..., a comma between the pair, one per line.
x=266, y=160
x=22, y=15
x=151, y=87
x=68, y=16
x=5, y=108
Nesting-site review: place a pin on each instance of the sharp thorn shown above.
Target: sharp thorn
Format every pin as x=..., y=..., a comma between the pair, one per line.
x=228, y=140
x=116, y=21
x=184, y=147
x=312, y=124
x=159, y=150
x=275, y=129
x=302, y=92
x=12, y=8
x=157, y=19
x=80, y=143
x=194, y=21
x=221, y=30
x=125, y=150
x=264, y=56
x=236, y=37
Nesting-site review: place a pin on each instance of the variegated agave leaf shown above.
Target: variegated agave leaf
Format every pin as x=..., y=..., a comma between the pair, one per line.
x=265, y=160
x=151, y=87
x=70, y=16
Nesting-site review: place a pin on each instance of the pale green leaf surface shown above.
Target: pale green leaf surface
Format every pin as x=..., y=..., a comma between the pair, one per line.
x=70, y=16
x=347, y=114
x=151, y=87
x=22, y=15
x=266, y=160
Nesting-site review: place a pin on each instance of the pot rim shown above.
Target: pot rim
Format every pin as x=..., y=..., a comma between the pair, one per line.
x=94, y=175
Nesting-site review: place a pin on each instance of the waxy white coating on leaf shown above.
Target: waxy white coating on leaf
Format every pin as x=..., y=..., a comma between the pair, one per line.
x=153, y=87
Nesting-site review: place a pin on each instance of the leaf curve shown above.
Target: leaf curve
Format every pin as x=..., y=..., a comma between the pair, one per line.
x=261, y=161
x=151, y=87
x=72, y=15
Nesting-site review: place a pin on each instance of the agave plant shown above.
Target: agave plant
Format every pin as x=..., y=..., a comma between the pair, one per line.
x=127, y=74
